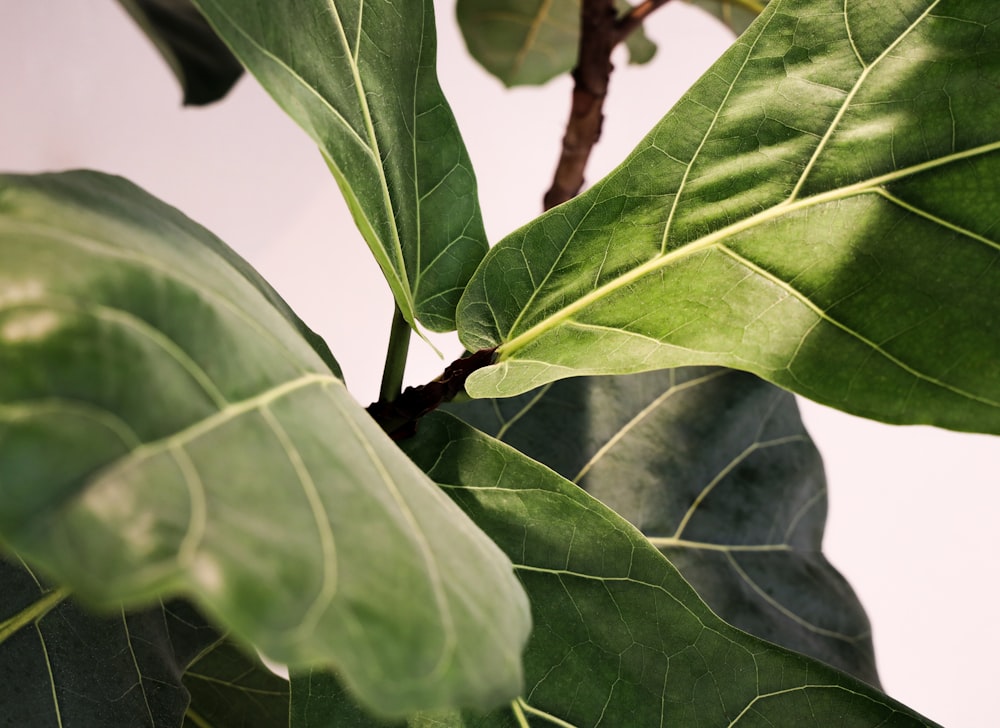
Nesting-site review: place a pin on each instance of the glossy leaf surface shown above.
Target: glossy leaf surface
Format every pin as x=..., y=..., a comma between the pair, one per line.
x=820, y=209
x=734, y=14
x=359, y=78
x=63, y=666
x=202, y=63
x=529, y=43
x=620, y=637
x=715, y=467
x=205, y=448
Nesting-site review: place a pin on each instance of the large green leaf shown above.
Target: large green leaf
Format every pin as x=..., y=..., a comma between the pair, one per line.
x=620, y=638
x=715, y=467
x=62, y=666
x=206, y=449
x=201, y=62
x=735, y=14
x=360, y=79
x=820, y=209
x=525, y=43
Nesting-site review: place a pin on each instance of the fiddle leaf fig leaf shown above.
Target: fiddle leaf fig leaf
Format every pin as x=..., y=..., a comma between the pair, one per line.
x=530, y=43
x=734, y=14
x=360, y=79
x=715, y=467
x=206, y=449
x=202, y=63
x=820, y=209
x=620, y=637
x=61, y=665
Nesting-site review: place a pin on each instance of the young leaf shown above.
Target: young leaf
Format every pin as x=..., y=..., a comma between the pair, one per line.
x=206, y=449
x=60, y=665
x=820, y=209
x=202, y=63
x=531, y=43
x=735, y=14
x=360, y=79
x=620, y=637
x=715, y=467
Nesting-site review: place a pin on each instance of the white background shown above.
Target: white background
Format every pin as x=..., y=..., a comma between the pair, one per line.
x=912, y=510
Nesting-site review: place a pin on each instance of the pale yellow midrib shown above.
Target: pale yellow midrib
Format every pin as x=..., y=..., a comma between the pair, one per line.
x=786, y=207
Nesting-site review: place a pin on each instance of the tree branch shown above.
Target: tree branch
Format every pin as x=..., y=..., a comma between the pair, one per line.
x=399, y=417
x=631, y=21
x=600, y=32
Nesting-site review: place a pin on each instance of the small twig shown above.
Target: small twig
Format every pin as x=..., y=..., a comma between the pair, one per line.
x=600, y=32
x=399, y=416
x=631, y=21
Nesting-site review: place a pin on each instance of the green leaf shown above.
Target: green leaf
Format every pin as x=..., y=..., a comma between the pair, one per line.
x=820, y=209
x=715, y=467
x=202, y=63
x=530, y=43
x=232, y=688
x=63, y=666
x=620, y=637
x=320, y=701
x=360, y=79
x=734, y=14
x=206, y=449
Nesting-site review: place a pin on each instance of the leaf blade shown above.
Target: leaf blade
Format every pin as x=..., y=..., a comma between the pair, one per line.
x=791, y=258
x=620, y=637
x=716, y=469
x=208, y=449
x=361, y=81
x=67, y=666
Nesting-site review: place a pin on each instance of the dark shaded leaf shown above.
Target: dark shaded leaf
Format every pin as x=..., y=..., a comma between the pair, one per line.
x=202, y=63
x=715, y=467
x=230, y=689
x=206, y=449
x=620, y=637
x=67, y=667
x=820, y=209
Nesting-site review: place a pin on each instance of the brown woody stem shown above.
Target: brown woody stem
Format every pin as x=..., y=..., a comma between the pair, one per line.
x=399, y=417
x=600, y=32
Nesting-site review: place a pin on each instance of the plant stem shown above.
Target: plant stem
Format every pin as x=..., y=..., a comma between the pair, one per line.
x=395, y=358
x=591, y=75
x=600, y=32
x=399, y=417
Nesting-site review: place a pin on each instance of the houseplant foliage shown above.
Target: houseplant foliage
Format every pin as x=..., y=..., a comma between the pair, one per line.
x=636, y=548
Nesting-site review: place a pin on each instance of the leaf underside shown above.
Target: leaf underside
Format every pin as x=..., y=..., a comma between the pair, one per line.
x=205, y=448
x=820, y=209
x=715, y=467
x=620, y=637
x=530, y=43
x=359, y=78
x=202, y=63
